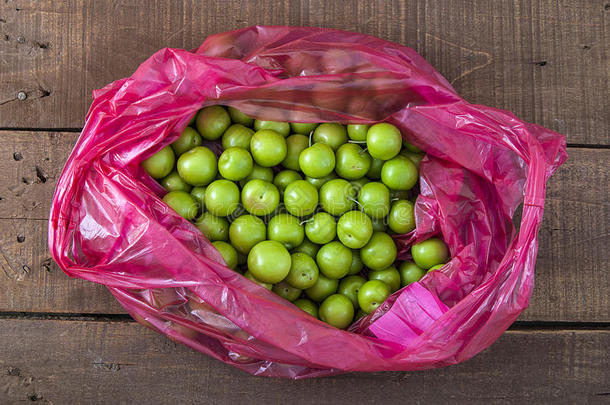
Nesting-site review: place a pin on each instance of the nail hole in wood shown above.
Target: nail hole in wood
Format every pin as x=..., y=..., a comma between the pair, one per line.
x=17, y=156
x=20, y=238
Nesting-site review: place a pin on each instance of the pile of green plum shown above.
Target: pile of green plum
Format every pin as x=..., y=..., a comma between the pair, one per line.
x=305, y=210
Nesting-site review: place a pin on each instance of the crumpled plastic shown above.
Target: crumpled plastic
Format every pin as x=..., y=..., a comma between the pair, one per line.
x=109, y=225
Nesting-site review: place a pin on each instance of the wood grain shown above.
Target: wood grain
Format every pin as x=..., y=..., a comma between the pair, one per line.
x=99, y=362
x=571, y=274
x=546, y=60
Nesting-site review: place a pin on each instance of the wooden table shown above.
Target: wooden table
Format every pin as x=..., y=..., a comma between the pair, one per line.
x=66, y=341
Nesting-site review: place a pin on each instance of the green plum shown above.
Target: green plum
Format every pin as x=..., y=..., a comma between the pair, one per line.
x=300, y=198
x=380, y=252
x=437, y=267
x=317, y=161
x=160, y=164
x=337, y=310
x=260, y=197
x=250, y=276
x=183, y=203
x=285, y=229
x=402, y=217
x=228, y=253
x=354, y=229
x=357, y=265
x=331, y=134
x=284, y=178
x=187, y=141
x=429, y=252
x=410, y=272
x=323, y=287
x=235, y=163
x=374, y=172
x=303, y=271
x=212, y=121
x=221, y=197
x=383, y=141
x=399, y=173
x=337, y=196
x=416, y=158
x=240, y=118
x=295, y=144
x=389, y=275
x=269, y=261
x=334, y=260
x=198, y=166
x=214, y=228
x=173, y=182
x=352, y=162
x=374, y=198
x=282, y=128
x=286, y=291
x=308, y=306
x=237, y=135
x=372, y=294
x=317, y=183
x=258, y=172
x=246, y=231
x=321, y=228
x=268, y=147
x=307, y=247
x=199, y=194
x=303, y=128
x=350, y=286
x=357, y=132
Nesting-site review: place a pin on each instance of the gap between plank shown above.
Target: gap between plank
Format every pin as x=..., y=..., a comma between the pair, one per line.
x=519, y=326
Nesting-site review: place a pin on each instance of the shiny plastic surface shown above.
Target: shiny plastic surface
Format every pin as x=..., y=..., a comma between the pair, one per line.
x=109, y=225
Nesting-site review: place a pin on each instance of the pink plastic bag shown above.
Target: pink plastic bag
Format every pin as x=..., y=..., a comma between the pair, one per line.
x=109, y=225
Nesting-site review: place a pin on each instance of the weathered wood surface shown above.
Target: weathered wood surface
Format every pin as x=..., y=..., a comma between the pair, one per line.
x=571, y=275
x=101, y=362
x=545, y=60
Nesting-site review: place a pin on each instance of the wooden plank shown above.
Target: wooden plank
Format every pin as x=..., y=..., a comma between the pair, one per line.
x=91, y=362
x=571, y=275
x=544, y=59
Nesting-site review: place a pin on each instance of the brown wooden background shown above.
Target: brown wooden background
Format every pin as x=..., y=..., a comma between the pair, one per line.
x=66, y=341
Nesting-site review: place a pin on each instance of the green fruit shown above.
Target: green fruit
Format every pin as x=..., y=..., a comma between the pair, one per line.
x=323, y=287
x=295, y=144
x=212, y=121
x=286, y=291
x=357, y=132
x=221, y=197
x=337, y=196
x=383, y=141
x=399, y=173
x=317, y=161
x=308, y=306
x=198, y=194
x=374, y=172
x=282, y=128
x=187, y=141
x=437, y=267
x=160, y=164
x=321, y=228
x=402, y=217
x=307, y=247
x=303, y=271
x=286, y=229
x=300, y=198
x=238, y=136
x=198, y=166
x=357, y=265
x=246, y=231
x=284, y=178
x=410, y=273
x=334, y=260
x=268, y=147
x=183, y=203
x=240, y=118
x=374, y=198
x=260, y=197
x=352, y=162
x=354, y=229
x=269, y=261
x=317, y=183
x=214, y=228
x=389, y=275
x=173, y=182
x=372, y=294
x=337, y=310
x=331, y=134
x=429, y=253
x=350, y=286
x=250, y=276
x=258, y=172
x=235, y=164
x=228, y=253
x=302, y=128
x=380, y=252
